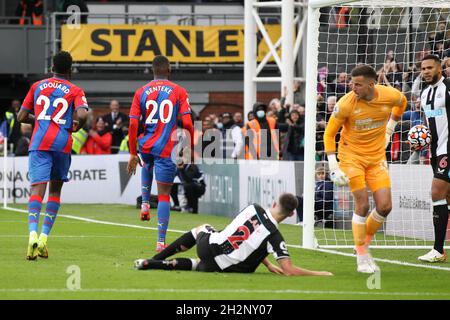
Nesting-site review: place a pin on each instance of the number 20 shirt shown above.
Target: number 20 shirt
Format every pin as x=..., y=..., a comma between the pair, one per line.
x=159, y=102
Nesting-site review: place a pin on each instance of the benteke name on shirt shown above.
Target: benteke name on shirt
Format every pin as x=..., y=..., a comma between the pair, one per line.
x=152, y=89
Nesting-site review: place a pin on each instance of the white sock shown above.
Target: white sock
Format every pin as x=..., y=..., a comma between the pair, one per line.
x=194, y=264
x=358, y=219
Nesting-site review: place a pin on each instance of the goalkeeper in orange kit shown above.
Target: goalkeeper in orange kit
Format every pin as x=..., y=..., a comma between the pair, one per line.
x=368, y=116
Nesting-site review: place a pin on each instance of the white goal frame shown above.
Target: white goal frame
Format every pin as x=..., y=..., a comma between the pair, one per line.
x=312, y=53
x=5, y=171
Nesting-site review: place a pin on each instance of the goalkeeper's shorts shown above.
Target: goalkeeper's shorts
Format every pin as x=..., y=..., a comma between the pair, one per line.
x=362, y=173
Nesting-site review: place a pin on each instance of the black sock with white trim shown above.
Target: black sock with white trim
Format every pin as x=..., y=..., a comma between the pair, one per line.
x=440, y=221
x=187, y=240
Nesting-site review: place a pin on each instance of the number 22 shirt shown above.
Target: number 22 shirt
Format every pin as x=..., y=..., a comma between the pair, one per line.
x=53, y=102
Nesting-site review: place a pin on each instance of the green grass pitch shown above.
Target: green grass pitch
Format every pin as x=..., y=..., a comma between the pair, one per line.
x=105, y=253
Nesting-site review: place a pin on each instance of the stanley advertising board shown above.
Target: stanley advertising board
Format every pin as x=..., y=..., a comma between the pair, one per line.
x=140, y=43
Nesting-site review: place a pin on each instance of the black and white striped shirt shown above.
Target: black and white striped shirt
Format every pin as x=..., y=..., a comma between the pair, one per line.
x=435, y=101
x=247, y=240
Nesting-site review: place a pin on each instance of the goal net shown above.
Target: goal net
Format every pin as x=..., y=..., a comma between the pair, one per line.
x=6, y=167
x=14, y=179
x=391, y=36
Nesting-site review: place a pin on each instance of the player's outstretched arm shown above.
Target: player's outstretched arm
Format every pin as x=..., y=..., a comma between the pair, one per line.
x=290, y=270
x=396, y=115
x=271, y=267
x=390, y=128
x=336, y=174
x=134, y=158
x=24, y=116
x=188, y=125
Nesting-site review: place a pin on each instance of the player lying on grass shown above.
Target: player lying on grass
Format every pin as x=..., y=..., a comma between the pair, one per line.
x=240, y=247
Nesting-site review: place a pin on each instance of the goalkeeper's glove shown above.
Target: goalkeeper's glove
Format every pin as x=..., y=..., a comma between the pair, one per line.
x=390, y=128
x=336, y=174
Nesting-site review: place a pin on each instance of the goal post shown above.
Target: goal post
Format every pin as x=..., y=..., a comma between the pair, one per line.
x=7, y=174
x=391, y=36
x=4, y=173
x=312, y=50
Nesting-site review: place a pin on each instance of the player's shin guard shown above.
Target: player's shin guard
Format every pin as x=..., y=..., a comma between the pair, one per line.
x=183, y=243
x=34, y=210
x=51, y=211
x=359, y=233
x=373, y=223
x=175, y=264
x=146, y=183
x=163, y=216
x=440, y=220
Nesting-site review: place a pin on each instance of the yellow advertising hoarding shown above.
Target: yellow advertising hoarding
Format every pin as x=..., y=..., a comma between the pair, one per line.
x=140, y=43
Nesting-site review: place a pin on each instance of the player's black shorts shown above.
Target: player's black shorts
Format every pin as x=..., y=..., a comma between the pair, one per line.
x=205, y=253
x=441, y=167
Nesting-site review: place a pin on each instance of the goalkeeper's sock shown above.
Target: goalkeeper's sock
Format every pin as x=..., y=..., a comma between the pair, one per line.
x=51, y=210
x=163, y=216
x=440, y=221
x=146, y=183
x=34, y=211
x=359, y=233
x=175, y=264
x=373, y=223
x=187, y=240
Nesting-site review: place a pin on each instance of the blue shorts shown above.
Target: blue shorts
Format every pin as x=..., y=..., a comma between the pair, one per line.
x=44, y=166
x=165, y=169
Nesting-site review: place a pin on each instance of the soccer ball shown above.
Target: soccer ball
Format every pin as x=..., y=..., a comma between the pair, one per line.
x=419, y=137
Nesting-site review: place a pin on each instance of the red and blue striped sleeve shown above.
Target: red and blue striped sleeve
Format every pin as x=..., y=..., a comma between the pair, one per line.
x=185, y=108
x=28, y=102
x=80, y=100
x=135, y=110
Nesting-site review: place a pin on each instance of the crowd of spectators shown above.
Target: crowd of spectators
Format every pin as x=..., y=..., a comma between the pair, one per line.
x=231, y=129
x=100, y=135
x=107, y=133
x=33, y=12
x=406, y=78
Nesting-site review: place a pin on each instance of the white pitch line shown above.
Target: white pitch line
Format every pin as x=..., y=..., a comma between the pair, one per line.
x=175, y=290
x=408, y=264
x=102, y=222
x=21, y=221
x=75, y=236
x=403, y=263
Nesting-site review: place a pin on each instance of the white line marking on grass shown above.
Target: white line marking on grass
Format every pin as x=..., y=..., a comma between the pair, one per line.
x=176, y=290
x=21, y=221
x=402, y=263
x=102, y=222
x=13, y=236
x=408, y=264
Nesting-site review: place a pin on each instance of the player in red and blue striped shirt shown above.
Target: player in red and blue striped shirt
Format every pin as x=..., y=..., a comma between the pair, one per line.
x=50, y=106
x=158, y=104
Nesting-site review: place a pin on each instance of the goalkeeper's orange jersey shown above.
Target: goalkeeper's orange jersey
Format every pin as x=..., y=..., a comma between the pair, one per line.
x=364, y=123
